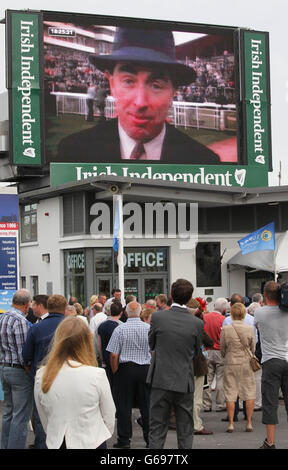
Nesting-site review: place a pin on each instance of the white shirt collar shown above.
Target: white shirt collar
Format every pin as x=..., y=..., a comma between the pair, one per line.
x=153, y=148
x=44, y=315
x=178, y=305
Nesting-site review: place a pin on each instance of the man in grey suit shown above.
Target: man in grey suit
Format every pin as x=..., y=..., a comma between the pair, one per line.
x=175, y=337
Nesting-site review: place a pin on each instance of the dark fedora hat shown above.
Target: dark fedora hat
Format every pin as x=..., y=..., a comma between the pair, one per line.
x=146, y=47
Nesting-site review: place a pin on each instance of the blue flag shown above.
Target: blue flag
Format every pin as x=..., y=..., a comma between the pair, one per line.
x=116, y=229
x=261, y=239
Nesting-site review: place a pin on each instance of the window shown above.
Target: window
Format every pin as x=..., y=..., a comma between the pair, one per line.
x=34, y=281
x=103, y=261
x=218, y=219
x=267, y=213
x=284, y=218
x=243, y=219
x=73, y=214
x=208, y=264
x=74, y=262
x=29, y=223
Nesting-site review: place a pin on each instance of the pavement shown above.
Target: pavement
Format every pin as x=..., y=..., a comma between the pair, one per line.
x=220, y=439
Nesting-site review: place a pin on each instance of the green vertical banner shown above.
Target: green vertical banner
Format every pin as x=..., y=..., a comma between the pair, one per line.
x=24, y=88
x=257, y=99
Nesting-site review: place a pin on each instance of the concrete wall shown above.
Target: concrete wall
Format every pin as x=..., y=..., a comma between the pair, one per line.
x=31, y=263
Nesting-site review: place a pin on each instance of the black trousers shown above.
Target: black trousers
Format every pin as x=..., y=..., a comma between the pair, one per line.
x=131, y=391
x=274, y=377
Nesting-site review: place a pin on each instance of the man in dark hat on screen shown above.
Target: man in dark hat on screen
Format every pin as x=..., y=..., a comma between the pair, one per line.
x=143, y=75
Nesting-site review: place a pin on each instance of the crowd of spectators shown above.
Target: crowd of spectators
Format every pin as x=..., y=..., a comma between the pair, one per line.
x=215, y=81
x=67, y=71
x=71, y=72
x=122, y=343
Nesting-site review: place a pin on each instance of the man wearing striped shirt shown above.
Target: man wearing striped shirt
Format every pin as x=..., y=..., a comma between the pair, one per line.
x=130, y=359
x=16, y=383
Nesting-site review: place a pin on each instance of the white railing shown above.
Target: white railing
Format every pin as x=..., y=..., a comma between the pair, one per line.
x=181, y=113
x=70, y=103
x=203, y=115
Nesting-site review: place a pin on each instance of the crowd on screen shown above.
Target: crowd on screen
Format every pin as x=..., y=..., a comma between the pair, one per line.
x=71, y=72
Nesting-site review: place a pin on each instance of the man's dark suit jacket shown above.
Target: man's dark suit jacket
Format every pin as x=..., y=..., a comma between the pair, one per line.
x=38, y=340
x=101, y=143
x=175, y=337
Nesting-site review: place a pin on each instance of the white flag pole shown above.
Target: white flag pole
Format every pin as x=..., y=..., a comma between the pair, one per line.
x=274, y=258
x=120, y=259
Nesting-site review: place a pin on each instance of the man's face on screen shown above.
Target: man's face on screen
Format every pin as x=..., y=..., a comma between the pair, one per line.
x=143, y=97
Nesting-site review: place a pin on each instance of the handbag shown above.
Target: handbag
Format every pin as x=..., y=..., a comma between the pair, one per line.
x=254, y=363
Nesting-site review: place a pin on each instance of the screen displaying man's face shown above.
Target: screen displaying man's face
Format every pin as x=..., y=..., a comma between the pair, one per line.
x=143, y=97
x=140, y=94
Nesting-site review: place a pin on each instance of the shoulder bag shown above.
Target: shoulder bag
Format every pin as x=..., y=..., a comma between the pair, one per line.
x=254, y=363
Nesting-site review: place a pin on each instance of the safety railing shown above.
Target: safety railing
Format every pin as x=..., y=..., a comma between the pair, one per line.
x=181, y=114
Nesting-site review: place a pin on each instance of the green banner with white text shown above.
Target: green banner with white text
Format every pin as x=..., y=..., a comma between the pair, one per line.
x=257, y=99
x=61, y=173
x=25, y=89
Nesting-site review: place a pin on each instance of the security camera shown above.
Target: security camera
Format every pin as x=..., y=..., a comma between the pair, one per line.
x=114, y=189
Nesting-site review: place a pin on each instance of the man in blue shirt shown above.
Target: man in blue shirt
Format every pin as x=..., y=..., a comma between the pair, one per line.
x=130, y=359
x=36, y=348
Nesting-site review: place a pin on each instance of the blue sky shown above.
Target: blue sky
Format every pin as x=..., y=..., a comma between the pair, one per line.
x=8, y=207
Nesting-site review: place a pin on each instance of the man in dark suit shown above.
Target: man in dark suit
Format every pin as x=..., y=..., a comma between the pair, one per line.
x=143, y=75
x=175, y=337
x=35, y=349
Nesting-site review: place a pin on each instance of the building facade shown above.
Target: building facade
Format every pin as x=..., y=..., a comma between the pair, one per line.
x=67, y=237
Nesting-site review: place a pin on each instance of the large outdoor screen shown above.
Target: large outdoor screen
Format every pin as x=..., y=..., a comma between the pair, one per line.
x=140, y=98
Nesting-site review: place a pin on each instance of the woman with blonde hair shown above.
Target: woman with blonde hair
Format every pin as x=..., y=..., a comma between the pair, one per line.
x=88, y=312
x=236, y=340
x=79, y=312
x=72, y=394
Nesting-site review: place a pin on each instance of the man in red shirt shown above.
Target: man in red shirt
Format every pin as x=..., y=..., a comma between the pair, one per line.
x=213, y=325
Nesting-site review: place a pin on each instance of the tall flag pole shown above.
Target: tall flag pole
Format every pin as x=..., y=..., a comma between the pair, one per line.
x=118, y=245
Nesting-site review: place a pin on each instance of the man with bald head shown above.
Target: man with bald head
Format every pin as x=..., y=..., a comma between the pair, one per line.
x=99, y=317
x=130, y=360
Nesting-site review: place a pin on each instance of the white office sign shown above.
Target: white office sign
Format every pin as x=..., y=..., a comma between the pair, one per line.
x=144, y=259
x=75, y=261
